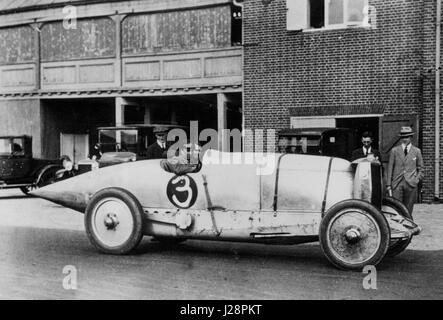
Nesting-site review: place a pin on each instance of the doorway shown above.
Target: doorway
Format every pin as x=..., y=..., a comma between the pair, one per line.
x=360, y=125
x=76, y=146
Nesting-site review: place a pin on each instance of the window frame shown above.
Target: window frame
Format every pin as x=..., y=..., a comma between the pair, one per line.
x=346, y=23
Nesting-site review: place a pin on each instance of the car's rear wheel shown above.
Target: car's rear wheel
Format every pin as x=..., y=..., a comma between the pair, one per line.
x=391, y=205
x=114, y=221
x=353, y=234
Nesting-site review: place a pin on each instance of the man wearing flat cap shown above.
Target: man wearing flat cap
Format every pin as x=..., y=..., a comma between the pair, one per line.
x=159, y=149
x=405, y=170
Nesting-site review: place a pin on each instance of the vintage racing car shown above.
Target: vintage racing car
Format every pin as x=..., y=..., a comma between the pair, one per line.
x=245, y=197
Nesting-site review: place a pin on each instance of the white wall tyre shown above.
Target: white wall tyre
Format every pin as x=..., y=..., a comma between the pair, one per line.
x=394, y=205
x=114, y=221
x=354, y=234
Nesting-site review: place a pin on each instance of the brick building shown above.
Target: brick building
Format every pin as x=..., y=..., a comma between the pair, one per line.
x=70, y=66
x=344, y=63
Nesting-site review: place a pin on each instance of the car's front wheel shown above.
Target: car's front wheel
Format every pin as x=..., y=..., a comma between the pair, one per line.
x=354, y=234
x=114, y=221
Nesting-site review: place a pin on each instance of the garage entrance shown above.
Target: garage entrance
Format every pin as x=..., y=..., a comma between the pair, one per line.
x=69, y=126
x=210, y=111
x=360, y=125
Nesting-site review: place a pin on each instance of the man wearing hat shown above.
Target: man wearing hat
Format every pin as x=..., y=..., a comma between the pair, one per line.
x=405, y=170
x=158, y=150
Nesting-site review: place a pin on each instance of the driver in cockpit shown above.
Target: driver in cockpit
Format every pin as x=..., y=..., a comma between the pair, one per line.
x=186, y=161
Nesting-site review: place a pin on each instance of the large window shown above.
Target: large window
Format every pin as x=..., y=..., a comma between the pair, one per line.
x=92, y=38
x=326, y=13
x=203, y=28
x=16, y=45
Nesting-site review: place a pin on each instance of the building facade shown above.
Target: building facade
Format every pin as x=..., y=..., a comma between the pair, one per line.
x=68, y=67
x=368, y=65
x=253, y=64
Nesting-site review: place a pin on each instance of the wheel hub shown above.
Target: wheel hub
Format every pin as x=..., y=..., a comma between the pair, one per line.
x=353, y=236
x=111, y=221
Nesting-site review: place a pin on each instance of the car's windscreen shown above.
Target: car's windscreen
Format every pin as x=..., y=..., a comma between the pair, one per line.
x=118, y=140
x=299, y=144
x=5, y=147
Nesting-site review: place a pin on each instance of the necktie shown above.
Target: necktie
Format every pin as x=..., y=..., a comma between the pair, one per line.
x=366, y=151
x=406, y=151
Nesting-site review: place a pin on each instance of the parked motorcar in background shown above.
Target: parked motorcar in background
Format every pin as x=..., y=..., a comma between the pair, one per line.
x=18, y=168
x=333, y=142
x=122, y=144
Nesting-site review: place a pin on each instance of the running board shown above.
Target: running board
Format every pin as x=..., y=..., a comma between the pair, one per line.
x=271, y=235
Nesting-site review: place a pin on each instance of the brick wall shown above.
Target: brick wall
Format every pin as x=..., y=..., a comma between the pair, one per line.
x=342, y=69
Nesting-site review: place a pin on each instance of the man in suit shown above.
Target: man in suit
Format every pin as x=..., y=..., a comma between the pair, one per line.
x=159, y=149
x=405, y=170
x=366, y=150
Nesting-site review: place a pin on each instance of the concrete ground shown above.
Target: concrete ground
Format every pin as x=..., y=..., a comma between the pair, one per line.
x=39, y=241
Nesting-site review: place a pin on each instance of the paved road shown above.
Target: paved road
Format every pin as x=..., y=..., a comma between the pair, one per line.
x=38, y=239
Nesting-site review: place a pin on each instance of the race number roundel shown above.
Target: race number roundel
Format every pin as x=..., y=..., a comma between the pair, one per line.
x=182, y=192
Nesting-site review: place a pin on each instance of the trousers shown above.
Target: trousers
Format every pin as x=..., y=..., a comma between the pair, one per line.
x=406, y=194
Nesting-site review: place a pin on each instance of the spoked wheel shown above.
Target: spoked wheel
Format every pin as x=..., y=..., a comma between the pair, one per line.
x=114, y=221
x=353, y=234
x=394, y=206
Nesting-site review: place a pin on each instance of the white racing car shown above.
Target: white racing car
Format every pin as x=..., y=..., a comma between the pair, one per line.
x=247, y=197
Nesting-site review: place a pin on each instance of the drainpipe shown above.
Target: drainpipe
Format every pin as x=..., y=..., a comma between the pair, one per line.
x=437, y=101
x=241, y=5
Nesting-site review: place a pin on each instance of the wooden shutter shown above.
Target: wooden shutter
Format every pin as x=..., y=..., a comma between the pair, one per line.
x=297, y=14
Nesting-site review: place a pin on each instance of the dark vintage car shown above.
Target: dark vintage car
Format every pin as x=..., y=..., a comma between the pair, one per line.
x=121, y=144
x=332, y=142
x=18, y=169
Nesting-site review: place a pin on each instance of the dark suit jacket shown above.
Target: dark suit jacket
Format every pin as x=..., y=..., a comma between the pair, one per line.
x=409, y=167
x=358, y=153
x=155, y=152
